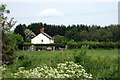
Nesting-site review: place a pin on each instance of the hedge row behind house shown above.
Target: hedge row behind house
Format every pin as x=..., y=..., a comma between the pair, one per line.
x=94, y=45
x=106, y=45
x=52, y=44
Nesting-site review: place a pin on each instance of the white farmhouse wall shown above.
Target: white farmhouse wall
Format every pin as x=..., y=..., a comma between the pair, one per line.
x=41, y=39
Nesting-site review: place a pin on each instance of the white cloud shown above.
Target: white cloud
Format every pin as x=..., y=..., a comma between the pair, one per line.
x=51, y=12
x=59, y=0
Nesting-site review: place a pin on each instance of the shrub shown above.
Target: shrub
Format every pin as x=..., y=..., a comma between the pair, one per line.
x=10, y=44
x=18, y=40
x=63, y=70
x=105, y=45
x=108, y=45
x=8, y=47
x=71, y=44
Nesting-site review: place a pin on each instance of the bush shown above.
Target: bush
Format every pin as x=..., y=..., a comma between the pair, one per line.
x=63, y=70
x=8, y=47
x=29, y=44
x=18, y=40
x=11, y=42
x=108, y=45
x=71, y=44
x=94, y=45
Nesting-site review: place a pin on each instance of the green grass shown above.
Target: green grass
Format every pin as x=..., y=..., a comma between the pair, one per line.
x=101, y=63
x=113, y=53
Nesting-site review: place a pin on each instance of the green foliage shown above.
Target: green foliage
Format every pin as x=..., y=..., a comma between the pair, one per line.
x=20, y=30
x=72, y=43
x=79, y=58
x=35, y=27
x=76, y=32
x=115, y=29
x=93, y=45
x=84, y=35
x=28, y=44
x=101, y=63
x=8, y=47
x=29, y=35
x=32, y=59
x=11, y=42
x=72, y=34
x=101, y=67
x=8, y=44
x=60, y=39
x=104, y=35
x=63, y=70
x=5, y=25
x=18, y=40
x=3, y=10
x=52, y=30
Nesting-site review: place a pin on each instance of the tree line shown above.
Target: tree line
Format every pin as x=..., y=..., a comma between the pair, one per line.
x=79, y=32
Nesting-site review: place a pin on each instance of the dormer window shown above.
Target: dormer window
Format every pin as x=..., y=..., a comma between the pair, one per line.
x=42, y=40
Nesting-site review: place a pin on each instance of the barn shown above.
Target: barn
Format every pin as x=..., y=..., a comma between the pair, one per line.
x=42, y=38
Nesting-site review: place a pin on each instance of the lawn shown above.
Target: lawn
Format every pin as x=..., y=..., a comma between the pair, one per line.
x=101, y=63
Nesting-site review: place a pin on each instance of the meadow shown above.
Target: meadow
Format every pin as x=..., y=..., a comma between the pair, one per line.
x=101, y=63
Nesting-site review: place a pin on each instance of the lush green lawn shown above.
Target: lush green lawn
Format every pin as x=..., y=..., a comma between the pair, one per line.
x=101, y=63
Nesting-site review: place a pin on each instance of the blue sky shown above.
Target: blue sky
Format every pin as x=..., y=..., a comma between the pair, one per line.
x=64, y=12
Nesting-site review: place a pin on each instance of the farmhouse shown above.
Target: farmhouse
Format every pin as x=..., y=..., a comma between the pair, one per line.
x=42, y=38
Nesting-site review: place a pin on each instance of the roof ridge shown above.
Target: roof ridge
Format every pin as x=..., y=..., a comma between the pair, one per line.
x=47, y=35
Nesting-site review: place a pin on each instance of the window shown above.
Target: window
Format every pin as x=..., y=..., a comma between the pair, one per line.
x=42, y=40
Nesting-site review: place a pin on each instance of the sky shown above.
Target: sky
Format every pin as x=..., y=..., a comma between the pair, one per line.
x=66, y=12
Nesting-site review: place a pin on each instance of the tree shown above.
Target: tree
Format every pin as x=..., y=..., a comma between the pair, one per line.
x=29, y=35
x=93, y=34
x=84, y=35
x=72, y=34
x=18, y=40
x=7, y=43
x=2, y=11
x=60, y=39
x=79, y=32
x=5, y=24
x=104, y=35
x=20, y=30
x=115, y=29
x=35, y=27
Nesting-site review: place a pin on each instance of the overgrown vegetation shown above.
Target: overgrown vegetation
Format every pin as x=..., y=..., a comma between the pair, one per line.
x=100, y=66
x=101, y=63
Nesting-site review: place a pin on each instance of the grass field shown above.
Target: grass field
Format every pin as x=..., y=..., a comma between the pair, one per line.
x=101, y=63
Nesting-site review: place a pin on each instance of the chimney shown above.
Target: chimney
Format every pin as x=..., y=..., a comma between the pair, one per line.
x=42, y=30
